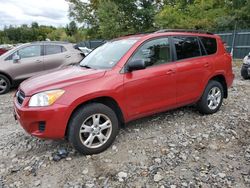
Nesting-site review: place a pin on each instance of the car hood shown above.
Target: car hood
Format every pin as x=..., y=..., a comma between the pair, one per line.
x=59, y=79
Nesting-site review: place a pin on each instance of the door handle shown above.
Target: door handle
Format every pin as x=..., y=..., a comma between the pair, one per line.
x=169, y=72
x=67, y=56
x=38, y=61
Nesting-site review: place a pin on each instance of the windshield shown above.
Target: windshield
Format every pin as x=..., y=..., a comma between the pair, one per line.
x=10, y=52
x=107, y=55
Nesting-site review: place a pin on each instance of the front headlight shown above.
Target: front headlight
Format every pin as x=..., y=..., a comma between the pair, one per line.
x=45, y=98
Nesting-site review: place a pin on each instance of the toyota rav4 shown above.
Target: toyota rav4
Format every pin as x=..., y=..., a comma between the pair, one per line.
x=125, y=79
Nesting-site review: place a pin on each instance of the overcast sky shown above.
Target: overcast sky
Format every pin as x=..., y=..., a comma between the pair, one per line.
x=48, y=12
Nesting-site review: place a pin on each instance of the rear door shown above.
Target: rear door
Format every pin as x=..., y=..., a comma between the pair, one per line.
x=193, y=68
x=54, y=56
x=30, y=63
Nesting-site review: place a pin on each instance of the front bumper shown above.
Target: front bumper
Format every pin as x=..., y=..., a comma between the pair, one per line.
x=43, y=122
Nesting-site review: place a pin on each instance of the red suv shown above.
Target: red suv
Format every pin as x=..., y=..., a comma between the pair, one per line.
x=125, y=79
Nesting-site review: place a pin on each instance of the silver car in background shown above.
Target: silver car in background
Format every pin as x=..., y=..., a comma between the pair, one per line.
x=30, y=59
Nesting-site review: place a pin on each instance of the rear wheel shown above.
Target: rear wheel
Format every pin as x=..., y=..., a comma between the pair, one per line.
x=4, y=84
x=212, y=98
x=93, y=128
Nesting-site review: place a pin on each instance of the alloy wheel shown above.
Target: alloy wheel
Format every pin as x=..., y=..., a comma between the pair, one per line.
x=3, y=85
x=214, y=98
x=95, y=130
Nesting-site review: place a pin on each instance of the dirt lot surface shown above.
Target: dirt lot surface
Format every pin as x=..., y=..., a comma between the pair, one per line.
x=179, y=148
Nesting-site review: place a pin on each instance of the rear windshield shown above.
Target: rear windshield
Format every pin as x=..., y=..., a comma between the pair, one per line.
x=209, y=44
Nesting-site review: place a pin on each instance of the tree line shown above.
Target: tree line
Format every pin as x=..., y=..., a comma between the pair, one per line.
x=112, y=18
x=107, y=19
x=36, y=32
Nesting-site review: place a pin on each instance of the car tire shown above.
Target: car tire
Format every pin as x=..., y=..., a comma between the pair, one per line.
x=244, y=73
x=4, y=84
x=212, y=98
x=93, y=128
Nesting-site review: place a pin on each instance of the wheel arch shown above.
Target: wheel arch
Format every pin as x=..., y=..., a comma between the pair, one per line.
x=221, y=78
x=106, y=100
x=7, y=76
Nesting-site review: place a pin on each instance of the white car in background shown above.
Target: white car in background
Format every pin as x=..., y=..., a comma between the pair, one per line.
x=85, y=50
x=245, y=69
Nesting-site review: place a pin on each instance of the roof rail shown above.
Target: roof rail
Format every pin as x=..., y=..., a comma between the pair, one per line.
x=184, y=30
x=51, y=42
x=138, y=33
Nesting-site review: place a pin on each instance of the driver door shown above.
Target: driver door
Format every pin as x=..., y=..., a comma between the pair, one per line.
x=152, y=89
x=29, y=64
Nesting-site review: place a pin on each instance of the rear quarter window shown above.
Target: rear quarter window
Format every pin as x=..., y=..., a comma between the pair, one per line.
x=209, y=44
x=54, y=49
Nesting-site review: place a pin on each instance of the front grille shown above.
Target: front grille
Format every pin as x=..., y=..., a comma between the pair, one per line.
x=20, y=97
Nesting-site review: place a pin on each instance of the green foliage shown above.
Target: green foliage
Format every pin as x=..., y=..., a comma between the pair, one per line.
x=71, y=28
x=242, y=13
x=34, y=32
x=113, y=18
x=57, y=34
x=170, y=17
x=209, y=15
x=110, y=19
x=34, y=25
x=197, y=15
x=25, y=33
x=145, y=14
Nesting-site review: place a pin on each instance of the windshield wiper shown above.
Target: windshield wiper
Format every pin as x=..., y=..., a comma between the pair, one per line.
x=86, y=66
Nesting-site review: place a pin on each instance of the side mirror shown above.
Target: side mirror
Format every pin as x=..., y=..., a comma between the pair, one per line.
x=16, y=58
x=136, y=65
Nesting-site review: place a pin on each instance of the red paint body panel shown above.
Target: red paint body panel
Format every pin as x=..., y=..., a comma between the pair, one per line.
x=150, y=90
x=55, y=117
x=2, y=51
x=137, y=93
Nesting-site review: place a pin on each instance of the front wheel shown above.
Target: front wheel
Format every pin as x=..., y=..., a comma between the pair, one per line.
x=212, y=98
x=93, y=128
x=4, y=84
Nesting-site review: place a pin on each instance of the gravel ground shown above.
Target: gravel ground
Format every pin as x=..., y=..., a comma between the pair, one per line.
x=179, y=148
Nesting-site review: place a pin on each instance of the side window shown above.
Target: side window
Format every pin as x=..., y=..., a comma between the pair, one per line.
x=203, y=52
x=30, y=51
x=154, y=52
x=186, y=47
x=63, y=49
x=54, y=49
x=209, y=44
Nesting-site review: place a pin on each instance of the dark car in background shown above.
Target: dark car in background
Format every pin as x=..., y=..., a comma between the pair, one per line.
x=245, y=69
x=30, y=59
x=91, y=44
